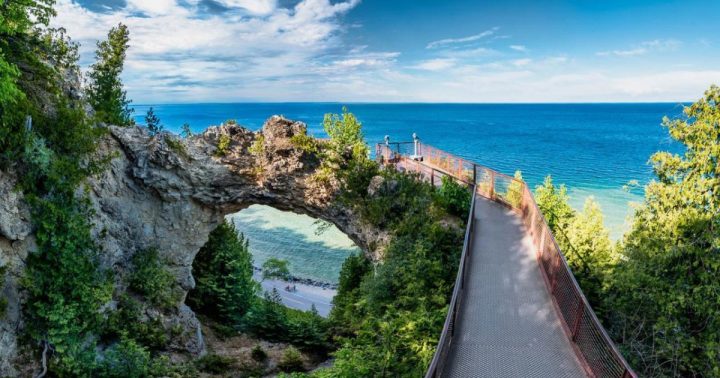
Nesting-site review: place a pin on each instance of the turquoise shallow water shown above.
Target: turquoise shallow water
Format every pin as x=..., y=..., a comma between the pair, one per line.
x=294, y=237
x=595, y=149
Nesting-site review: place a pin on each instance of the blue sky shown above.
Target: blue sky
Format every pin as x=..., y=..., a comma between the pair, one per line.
x=407, y=50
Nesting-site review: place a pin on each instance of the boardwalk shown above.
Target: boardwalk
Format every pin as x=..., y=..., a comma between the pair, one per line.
x=507, y=326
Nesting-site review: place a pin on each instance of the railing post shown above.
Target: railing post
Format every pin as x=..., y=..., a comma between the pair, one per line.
x=474, y=174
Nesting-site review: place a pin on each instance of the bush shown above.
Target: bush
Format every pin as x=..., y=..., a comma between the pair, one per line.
x=258, y=354
x=177, y=146
x=151, y=279
x=214, y=364
x=305, y=142
x=223, y=145
x=291, y=361
x=454, y=197
x=275, y=268
x=127, y=322
x=223, y=272
x=126, y=359
x=267, y=318
x=257, y=148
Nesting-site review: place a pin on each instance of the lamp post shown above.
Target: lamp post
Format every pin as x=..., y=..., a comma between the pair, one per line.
x=416, y=142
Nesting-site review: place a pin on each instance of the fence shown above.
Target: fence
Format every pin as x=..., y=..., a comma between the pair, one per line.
x=589, y=339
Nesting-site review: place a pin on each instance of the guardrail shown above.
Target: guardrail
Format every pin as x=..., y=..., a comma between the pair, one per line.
x=596, y=351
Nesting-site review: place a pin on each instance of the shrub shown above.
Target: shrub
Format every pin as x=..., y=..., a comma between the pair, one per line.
x=257, y=148
x=127, y=322
x=223, y=271
x=223, y=145
x=177, y=146
x=214, y=364
x=258, y=354
x=305, y=142
x=275, y=268
x=454, y=197
x=151, y=279
x=514, y=191
x=268, y=318
x=126, y=359
x=291, y=360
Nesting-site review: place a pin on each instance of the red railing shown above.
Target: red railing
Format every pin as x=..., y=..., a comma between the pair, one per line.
x=598, y=354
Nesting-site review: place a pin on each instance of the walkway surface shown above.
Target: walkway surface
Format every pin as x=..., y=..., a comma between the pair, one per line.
x=507, y=326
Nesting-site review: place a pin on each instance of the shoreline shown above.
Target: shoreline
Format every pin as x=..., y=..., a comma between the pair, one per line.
x=304, y=281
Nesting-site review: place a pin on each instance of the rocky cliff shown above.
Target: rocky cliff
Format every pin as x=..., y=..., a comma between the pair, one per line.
x=163, y=192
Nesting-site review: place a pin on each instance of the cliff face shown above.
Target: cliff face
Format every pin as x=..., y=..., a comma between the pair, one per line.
x=156, y=194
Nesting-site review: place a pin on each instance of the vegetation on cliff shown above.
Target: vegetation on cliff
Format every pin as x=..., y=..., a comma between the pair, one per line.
x=657, y=290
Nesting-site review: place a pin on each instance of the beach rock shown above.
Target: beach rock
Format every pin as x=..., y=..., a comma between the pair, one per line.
x=156, y=194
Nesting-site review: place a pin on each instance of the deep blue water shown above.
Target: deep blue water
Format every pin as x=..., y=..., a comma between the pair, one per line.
x=595, y=149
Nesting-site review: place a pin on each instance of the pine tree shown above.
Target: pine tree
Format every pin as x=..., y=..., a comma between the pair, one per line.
x=224, y=274
x=105, y=90
x=153, y=122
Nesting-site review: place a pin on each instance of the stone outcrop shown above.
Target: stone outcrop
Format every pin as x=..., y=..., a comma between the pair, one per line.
x=167, y=193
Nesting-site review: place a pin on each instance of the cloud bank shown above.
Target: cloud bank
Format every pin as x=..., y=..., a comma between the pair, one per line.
x=262, y=50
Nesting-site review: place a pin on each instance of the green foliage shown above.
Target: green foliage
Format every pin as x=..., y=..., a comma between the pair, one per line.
x=305, y=142
x=275, y=268
x=223, y=272
x=258, y=354
x=271, y=320
x=345, y=132
x=126, y=359
x=554, y=204
x=128, y=322
x=105, y=91
x=387, y=319
x=151, y=279
x=178, y=146
x=214, y=364
x=153, y=122
x=665, y=289
x=454, y=197
x=223, y=145
x=257, y=148
x=515, y=190
x=291, y=360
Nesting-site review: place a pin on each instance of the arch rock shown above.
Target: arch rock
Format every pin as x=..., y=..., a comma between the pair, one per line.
x=156, y=193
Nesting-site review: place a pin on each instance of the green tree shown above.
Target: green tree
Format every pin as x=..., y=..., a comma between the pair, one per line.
x=268, y=318
x=223, y=272
x=275, y=268
x=105, y=91
x=515, y=190
x=589, y=252
x=554, y=204
x=153, y=122
x=665, y=291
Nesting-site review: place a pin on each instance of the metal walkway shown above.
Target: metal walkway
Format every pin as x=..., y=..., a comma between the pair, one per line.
x=507, y=326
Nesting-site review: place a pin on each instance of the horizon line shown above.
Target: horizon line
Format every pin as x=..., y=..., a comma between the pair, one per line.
x=416, y=103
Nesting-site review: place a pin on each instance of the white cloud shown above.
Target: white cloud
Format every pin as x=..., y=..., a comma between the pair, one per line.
x=434, y=64
x=257, y=7
x=521, y=62
x=520, y=48
x=644, y=48
x=454, y=41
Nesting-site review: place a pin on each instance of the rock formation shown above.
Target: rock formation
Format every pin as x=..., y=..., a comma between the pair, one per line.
x=168, y=193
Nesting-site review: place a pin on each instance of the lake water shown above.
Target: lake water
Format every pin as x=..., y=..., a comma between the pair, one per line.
x=595, y=149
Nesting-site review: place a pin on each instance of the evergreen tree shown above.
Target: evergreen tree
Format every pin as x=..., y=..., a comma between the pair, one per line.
x=105, y=90
x=666, y=292
x=553, y=203
x=223, y=271
x=153, y=122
